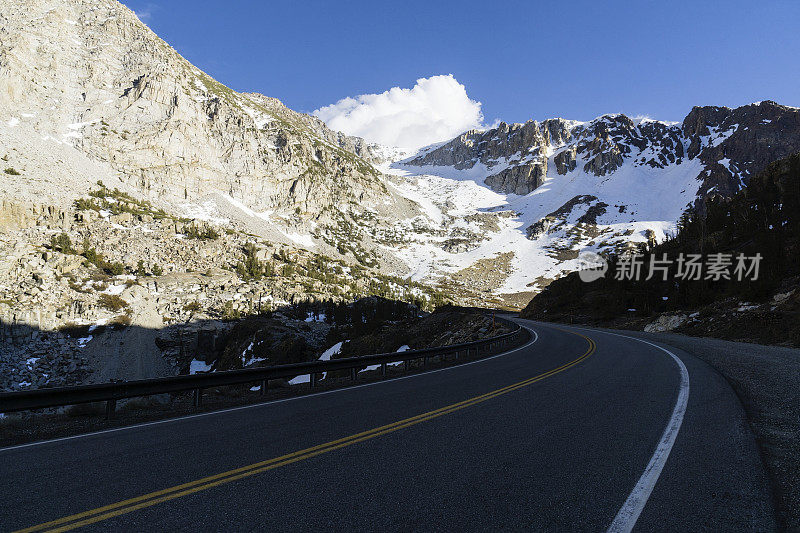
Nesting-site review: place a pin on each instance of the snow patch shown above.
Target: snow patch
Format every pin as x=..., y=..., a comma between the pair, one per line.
x=198, y=366
x=82, y=342
x=326, y=356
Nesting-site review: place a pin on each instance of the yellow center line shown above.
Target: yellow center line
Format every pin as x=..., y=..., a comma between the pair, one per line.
x=126, y=506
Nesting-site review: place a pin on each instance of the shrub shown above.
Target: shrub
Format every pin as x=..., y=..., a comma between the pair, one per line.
x=203, y=232
x=192, y=307
x=99, y=261
x=91, y=255
x=157, y=270
x=62, y=242
x=251, y=268
x=230, y=313
x=116, y=202
x=112, y=302
x=115, y=268
x=12, y=171
x=78, y=287
x=98, y=275
x=121, y=321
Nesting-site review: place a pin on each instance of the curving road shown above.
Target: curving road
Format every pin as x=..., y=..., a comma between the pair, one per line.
x=577, y=430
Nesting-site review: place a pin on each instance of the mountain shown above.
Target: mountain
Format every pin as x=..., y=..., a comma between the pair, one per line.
x=88, y=79
x=139, y=191
x=607, y=185
x=731, y=143
x=762, y=219
x=89, y=94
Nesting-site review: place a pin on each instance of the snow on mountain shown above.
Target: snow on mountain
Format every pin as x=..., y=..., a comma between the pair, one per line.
x=641, y=200
x=514, y=205
x=88, y=93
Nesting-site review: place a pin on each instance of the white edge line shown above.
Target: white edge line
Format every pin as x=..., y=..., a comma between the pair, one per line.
x=267, y=404
x=629, y=512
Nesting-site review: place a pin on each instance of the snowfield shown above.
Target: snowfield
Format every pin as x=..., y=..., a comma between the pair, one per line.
x=639, y=198
x=632, y=204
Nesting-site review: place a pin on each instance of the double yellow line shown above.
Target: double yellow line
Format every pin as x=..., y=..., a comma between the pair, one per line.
x=147, y=500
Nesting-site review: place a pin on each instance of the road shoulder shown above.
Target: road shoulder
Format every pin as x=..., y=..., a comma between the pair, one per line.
x=766, y=380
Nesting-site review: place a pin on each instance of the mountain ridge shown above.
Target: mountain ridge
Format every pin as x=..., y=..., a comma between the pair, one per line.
x=606, y=140
x=88, y=93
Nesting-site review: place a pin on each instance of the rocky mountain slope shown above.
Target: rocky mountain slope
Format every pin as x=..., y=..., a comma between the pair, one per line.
x=731, y=143
x=139, y=191
x=762, y=306
x=88, y=79
x=559, y=187
x=88, y=93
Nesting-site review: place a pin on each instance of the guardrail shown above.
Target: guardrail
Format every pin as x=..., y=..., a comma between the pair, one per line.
x=111, y=392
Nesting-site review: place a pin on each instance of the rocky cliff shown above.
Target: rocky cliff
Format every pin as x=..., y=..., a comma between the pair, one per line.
x=732, y=144
x=609, y=185
x=87, y=77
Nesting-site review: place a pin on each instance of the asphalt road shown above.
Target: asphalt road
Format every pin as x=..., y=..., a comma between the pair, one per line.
x=577, y=430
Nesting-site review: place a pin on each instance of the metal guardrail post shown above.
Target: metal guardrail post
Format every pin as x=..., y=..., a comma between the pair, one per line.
x=353, y=374
x=111, y=406
x=383, y=370
x=263, y=390
x=197, y=401
x=312, y=379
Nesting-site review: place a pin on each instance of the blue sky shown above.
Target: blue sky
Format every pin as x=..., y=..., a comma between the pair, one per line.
x=522, y=60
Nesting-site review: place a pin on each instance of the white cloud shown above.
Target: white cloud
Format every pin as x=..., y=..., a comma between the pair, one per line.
x=436, y=109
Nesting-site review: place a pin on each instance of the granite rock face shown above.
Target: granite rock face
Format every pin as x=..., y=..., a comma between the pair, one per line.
x=732, y=144
x=735, y=144
x=89, y=74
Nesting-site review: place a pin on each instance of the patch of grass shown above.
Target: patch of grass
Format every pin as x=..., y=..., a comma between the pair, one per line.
x=74, y=330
